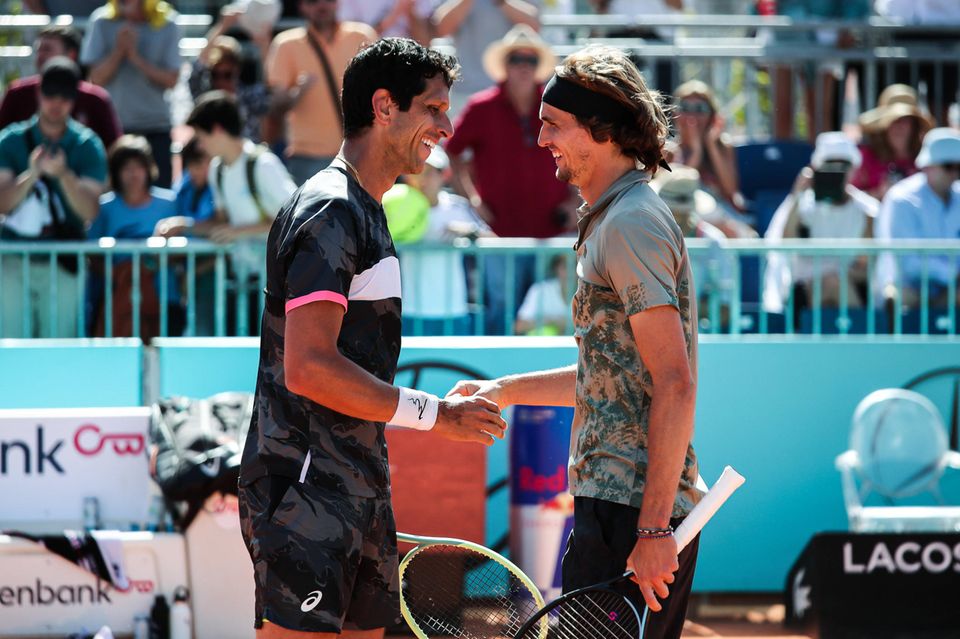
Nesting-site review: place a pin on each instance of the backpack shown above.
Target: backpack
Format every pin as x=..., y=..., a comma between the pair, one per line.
x=251, y=166
x=195, y=448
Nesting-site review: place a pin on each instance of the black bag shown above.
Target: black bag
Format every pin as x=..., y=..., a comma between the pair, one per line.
x=195, y=448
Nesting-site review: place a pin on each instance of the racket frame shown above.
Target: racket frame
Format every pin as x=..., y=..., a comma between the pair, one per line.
x=422, y=543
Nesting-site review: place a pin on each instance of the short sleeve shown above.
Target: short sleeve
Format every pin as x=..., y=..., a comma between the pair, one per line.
x=92, y=160
x=641, y=260
x=9, y=145
x=94, y=48
x=274, y=184
x=325, y=258
x=171, y=51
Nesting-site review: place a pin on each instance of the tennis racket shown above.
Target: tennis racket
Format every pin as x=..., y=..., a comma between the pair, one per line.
x=602, y=611
x=455, y=588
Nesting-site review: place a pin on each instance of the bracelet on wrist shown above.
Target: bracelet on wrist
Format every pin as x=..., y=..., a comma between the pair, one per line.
x=654, y=533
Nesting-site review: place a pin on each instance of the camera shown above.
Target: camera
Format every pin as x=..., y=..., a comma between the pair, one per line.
x=829, y=182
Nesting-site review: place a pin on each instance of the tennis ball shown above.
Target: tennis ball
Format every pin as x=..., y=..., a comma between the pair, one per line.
x=407, y=212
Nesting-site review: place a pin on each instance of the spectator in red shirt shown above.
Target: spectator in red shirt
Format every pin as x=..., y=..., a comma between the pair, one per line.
x=93, y=107
x=508, y=178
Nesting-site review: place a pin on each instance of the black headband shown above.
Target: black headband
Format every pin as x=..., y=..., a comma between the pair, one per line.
x=582, y=102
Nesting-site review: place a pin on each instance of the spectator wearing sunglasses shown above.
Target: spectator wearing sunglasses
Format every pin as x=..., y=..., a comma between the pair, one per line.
x=218, y=68
x=474, y=25
x=703, y=144
x=924, y=206
x=498, y=166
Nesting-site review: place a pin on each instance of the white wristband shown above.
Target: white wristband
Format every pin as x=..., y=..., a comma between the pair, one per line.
x=415, y=409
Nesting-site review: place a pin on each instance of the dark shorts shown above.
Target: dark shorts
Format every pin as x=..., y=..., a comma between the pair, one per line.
x=323, y=561
x=603, y=536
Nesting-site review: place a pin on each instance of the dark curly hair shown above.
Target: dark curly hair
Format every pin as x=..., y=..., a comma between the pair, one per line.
x=130, y=148
x=399, y=65
x=609, y=71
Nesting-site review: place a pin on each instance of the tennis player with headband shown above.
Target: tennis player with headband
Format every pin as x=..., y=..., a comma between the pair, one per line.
x=314, y=483
x=632, y=468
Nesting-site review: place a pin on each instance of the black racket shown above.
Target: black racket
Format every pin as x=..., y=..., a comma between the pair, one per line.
x=601, y=611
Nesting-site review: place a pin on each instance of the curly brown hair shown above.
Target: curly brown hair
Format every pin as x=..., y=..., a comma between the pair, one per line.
x=610, y=71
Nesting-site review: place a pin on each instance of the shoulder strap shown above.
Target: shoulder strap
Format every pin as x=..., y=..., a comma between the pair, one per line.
x=328, y=72
x=252, y=180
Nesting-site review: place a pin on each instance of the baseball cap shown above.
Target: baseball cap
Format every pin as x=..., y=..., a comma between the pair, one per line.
x=60, y=77
x=834, y=145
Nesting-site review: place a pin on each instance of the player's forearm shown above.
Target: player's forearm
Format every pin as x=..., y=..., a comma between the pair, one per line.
x=668, y=437
x=334, y=381
x=555, y=387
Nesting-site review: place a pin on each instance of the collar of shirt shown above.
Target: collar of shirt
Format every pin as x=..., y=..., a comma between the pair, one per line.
x=587, y=214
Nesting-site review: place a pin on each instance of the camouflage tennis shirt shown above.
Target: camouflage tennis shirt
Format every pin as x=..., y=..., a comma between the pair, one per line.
x=630, y=257
x=329, y=242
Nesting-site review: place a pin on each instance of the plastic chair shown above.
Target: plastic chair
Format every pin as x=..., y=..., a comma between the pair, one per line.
x=898, y=449
x=767, y=172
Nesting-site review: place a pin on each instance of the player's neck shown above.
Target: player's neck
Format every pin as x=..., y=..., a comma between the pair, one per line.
x=367, y=161
x=605, y=171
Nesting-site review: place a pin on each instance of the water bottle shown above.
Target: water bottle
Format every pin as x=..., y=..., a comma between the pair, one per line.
x=141, y=627
x=181, y=619
x=159, y=618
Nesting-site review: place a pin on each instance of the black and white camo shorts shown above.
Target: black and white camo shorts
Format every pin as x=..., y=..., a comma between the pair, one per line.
x=323, y=560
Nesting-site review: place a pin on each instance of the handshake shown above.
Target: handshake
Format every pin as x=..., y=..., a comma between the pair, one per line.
x=471, y=412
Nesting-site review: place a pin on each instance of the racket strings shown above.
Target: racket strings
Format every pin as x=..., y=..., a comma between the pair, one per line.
x=452, y=591
x=590, y=615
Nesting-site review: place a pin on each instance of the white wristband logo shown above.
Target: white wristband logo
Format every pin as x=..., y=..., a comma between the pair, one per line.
x=415, y=409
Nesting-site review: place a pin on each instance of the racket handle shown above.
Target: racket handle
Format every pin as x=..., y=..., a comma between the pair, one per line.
x=729, y=481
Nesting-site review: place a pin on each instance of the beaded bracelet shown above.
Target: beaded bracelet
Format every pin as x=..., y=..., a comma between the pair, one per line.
x=654, y=533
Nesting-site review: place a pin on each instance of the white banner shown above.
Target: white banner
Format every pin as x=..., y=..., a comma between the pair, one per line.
x=52, y=460
x=42, y=594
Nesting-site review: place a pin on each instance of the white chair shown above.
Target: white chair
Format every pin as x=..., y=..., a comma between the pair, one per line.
x=898, y=449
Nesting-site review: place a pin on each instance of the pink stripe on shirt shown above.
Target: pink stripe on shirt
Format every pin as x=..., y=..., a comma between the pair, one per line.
x=318, y=296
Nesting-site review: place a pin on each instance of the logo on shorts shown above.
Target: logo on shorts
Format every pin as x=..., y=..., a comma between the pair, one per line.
x=311, y=601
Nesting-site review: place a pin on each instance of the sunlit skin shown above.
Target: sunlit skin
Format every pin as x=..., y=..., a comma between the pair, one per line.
x=569, y=143
x=416, y=131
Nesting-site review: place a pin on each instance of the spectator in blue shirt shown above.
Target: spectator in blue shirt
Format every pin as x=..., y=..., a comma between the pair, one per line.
x=925, y=205
x=131, y=211
x=194, y=196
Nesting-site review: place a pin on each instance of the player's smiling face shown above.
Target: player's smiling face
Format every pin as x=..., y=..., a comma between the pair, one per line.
x=570, y=144
x=423, y=125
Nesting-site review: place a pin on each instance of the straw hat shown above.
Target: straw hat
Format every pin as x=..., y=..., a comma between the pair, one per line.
x=895, y=102
x=519, y=37
x=680, y=189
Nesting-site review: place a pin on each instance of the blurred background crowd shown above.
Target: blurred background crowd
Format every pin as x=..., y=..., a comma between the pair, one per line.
x=807, y=120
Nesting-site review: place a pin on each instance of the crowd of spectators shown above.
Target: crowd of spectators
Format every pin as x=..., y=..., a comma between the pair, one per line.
x=89, y=149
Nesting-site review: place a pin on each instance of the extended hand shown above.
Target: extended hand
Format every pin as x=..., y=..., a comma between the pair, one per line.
x=487, y=388
x=470, y=419
x=653, y=562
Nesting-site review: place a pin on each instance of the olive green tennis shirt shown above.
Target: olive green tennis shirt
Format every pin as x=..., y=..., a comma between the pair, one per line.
x=630, y=257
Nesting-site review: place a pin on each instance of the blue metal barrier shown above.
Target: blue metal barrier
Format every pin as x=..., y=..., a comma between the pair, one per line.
x=828, y=302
